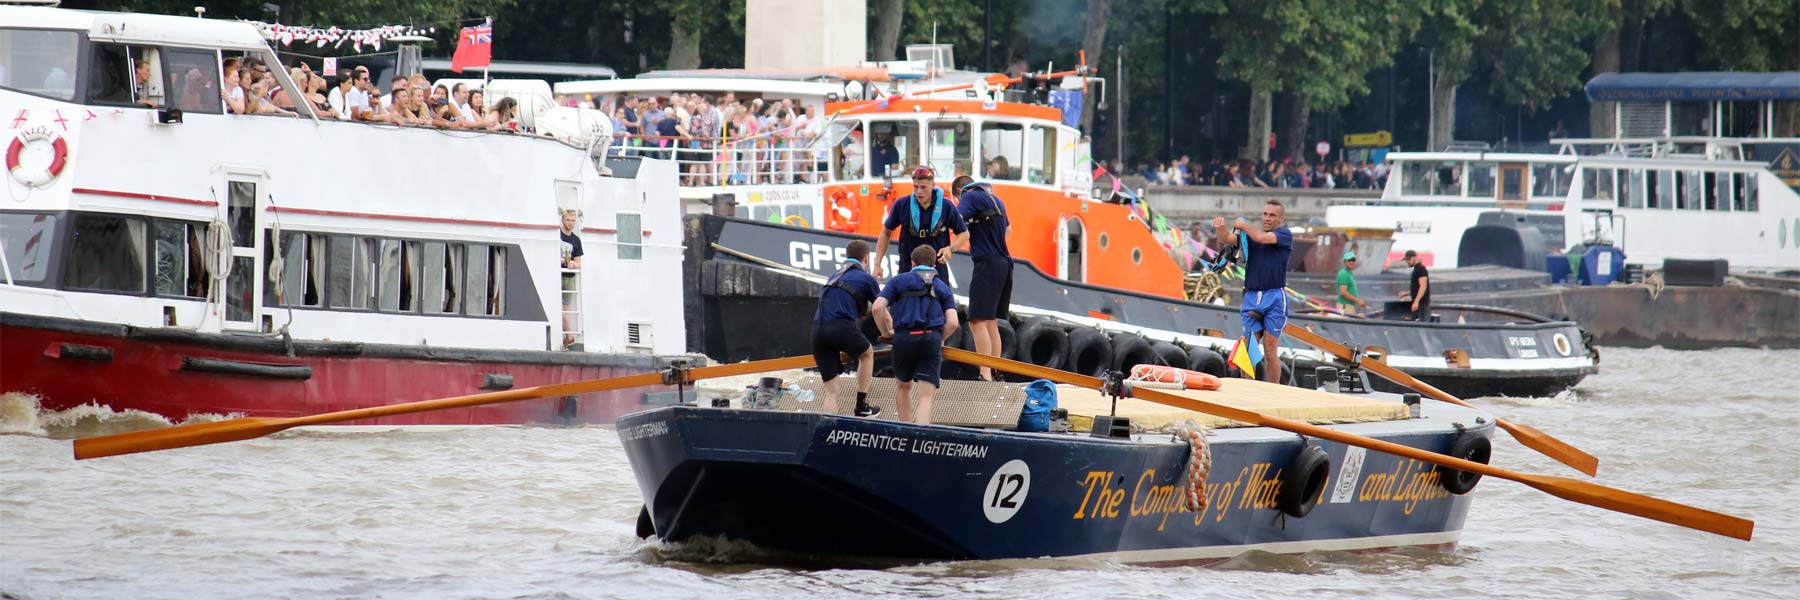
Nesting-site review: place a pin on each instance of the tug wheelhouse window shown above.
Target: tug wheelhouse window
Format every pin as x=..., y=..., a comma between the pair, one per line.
x=948, y=148
x=1002, y=151
x=106, y=253
x=1041, y=143
x=39, y=62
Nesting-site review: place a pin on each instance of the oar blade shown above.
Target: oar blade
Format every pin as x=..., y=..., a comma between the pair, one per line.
x=1593, y=494
x=1548, y=445
x=180, y=436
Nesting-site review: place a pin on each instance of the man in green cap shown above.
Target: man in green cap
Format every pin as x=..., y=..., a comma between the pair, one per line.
x=1347, y=300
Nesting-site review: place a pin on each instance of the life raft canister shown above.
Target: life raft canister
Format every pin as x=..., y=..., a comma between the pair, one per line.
x=843, y=212
x=1303, y=481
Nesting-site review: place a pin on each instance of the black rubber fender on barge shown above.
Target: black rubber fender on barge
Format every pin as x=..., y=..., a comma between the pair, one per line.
x=1469, y=447
x=1168, y=354
x=1009, y=339
x=1090, y=353
x=1042, y=343
x=1129, y=350
x=1302, y=481
x=1205, y=360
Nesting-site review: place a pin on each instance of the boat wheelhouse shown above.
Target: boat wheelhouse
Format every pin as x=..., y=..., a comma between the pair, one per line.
x=164, y=255
x=1696, y=174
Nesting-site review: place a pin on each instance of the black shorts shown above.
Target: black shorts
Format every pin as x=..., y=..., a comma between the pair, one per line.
x=830, y=338
x=1423, y=315
x=990, y=289
x=917, y=355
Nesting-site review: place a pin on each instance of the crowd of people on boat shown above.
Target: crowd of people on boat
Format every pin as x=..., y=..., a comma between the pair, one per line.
x=251, y=89
x=1284, y=173
x=718, y=140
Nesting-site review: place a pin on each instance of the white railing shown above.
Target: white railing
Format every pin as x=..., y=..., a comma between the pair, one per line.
x=746, y=161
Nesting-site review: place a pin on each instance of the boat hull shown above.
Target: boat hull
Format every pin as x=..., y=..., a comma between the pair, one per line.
x=180, y=373
x=838, y=487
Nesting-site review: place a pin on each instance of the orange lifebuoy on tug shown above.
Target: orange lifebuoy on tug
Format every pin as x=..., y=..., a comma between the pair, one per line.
x=842, y=212
x=59, y=156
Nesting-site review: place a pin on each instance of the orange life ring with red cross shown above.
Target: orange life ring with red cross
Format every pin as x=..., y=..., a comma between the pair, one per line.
x=37, y=177
x=842, y=212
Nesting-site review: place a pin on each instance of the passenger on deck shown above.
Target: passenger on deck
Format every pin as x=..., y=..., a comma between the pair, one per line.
x=1265, y=281
x=922, y=219
x=923, y=315
x=990, y=286
x=1420, y=288
x=571, y=264
x=1347, y=299
x=835, y=336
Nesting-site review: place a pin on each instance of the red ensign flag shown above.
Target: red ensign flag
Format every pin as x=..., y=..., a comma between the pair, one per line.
x=474, y=47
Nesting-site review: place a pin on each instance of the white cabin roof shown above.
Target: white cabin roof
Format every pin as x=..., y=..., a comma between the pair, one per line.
x=664, y=85
x=138, y=27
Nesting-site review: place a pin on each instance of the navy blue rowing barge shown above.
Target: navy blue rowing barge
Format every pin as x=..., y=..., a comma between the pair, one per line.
x=834, y=486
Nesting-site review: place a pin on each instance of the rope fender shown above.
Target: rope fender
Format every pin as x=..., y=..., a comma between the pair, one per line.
x=1199, y=465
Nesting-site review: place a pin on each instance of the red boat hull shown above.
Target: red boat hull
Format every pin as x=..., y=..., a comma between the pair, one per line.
x=176, y=374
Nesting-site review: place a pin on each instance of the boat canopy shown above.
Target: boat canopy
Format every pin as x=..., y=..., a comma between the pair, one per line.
x=1694, y=87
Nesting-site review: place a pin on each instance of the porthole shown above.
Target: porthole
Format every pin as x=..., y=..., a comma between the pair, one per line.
x=1137, y=256
x=1104, y=240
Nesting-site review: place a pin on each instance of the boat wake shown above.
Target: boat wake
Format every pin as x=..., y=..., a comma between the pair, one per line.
x=24, y=414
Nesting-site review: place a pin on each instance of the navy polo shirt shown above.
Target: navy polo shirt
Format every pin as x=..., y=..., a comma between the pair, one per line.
x=846, y=303
x=1269, y=262
x=880, y=156
x=925, y=312
x=987, y=238
x=900, y=216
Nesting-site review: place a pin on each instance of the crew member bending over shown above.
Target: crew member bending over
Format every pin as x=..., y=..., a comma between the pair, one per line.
x=990, y=286
x=842, y=304
x=922, y=219
x=1265, y=281
x=923, y=315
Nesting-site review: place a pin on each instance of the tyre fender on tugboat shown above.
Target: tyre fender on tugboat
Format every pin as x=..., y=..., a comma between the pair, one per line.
x=1169, y=354
x=1205, y=360
x=1303, y=481
x=1089, y=351
x=1042, y=343
x=1009, y=339
x=1470, y=447
x=1130, y=350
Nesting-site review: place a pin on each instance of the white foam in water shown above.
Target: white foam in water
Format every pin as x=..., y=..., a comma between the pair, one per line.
x=19, y=414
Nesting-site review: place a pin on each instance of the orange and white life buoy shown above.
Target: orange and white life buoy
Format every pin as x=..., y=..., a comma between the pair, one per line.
x=842, y=212
x=1165, y=376
x=37, y=176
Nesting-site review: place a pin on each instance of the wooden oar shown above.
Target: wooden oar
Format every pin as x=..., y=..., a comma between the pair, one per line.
x=1588, y=493
x=1527, y=435
x=200, y=434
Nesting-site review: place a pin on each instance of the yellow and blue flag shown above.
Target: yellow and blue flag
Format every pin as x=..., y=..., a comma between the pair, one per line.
x=1246, y=355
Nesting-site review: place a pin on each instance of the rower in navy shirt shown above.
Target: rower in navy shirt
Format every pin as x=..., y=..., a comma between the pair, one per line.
x=842, y=302
x=922, y=315
x=922, y=218
x=1265, y=280
x=990, y=286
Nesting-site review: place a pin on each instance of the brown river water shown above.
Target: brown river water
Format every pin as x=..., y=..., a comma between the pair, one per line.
x=530, y=512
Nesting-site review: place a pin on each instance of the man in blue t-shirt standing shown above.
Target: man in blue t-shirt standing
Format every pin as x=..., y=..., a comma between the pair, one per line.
x=842, y=302
x=918, y=312
x=922, y=218
x=1265, y=281
x=990, y=286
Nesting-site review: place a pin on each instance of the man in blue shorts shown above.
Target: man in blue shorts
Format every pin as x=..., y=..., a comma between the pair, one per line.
x=923, y=314
x=990, y=286
x=835, y=332
x=1265, y=281
x=922, y=218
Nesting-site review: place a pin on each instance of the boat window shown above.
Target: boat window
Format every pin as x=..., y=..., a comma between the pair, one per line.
x=1689, y=184
x=109, y=74
x=1691, y=118
x=387, y=294
x=26, y=240
x=302, y=269
x=1749, y=187
x=477, y=285
x=106, y=253
x=180, y=266
x=239, y=289
x=410, y=253
x=342, y=266
x=496, y=292
x=847, y=150
x=1716, y=187
x=1597, y=184
x=631, y=235
x=1002, y=151
x=1550, y=180
x=368, y=263
x=894, y=149
x=242, y=197
x=40, y=62
x=804, y=212
x=1737, y=192
x=1431, y=178
x=1512, y=182
x=1662, y=189
x=1481, y=180
x=1631, y=188
x=1041, y=144
x=193, y=79
x=948, y=152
